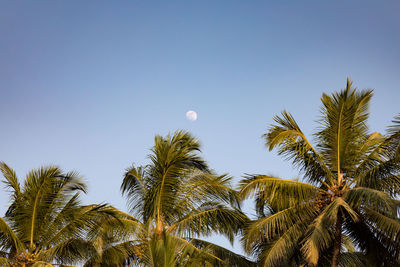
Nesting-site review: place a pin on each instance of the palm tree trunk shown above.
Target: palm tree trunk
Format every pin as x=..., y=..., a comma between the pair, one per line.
x=338, y=241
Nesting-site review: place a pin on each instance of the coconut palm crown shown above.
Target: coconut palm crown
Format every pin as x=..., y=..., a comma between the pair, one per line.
x=45, y=223
x=178, y=199
x=347, y=194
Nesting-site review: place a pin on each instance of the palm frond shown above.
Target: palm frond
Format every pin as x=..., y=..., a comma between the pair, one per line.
x=319, y=235
x=70, y=251
x=113, y=255
x=274, y=188
x=266, y=229
x=343, y=127
x=394, y=138
x=199, y=187
x=210, y=218
x=8, y=239
x=352, y=259
x=228, y=257
x=383, y=176
x=134, y=187
x=372, y=198
x=390, y=226
x=377, y=248
x=11, y=179
x=372, y=152
x=279, y=250
x=294, y=146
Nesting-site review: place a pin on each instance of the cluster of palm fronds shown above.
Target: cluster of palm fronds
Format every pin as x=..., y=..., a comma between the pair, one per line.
x=343, y=212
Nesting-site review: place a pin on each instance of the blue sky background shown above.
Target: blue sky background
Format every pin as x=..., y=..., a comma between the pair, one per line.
x=87, y=84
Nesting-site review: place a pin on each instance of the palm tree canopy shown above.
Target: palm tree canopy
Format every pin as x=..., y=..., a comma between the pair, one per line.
x=350, y=181
x=178, y=199
x=45, y=222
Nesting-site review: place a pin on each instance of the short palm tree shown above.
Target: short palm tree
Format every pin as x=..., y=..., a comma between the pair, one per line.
x=176, y=199
x=347, y=193
x=45, y=223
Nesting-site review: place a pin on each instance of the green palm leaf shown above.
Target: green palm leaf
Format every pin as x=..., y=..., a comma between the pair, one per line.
x=273, y=188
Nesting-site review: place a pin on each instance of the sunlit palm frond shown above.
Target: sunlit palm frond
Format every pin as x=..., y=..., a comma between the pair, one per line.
x=370, y=154
x=266, y=229
x=70, y=251
x=11, y=179
x=199, y=187
x=278, y=251
x=114, y=255
x=210, y=218
x=383, y=176
x=8, y=238
x=134, y=187
x=319, y=235
x=273, y=189
x=343, y=127
x=293, y=145
x=228, y=257
x=114, y=240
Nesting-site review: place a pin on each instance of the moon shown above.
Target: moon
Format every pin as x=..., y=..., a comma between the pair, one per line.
x=191, y=115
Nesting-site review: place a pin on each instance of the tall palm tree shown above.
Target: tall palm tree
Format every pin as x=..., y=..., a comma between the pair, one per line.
x=347, y=192
x=176, y=200
x=45, y=223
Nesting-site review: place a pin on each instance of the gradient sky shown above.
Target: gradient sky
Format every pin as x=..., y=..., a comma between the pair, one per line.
x=87, y=84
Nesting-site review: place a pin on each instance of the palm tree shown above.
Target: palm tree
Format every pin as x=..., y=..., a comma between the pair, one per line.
x=45, y=223
x=347, y=193
x=176, y=200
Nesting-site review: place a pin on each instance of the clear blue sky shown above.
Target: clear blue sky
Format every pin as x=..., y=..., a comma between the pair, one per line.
x=87, y=84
